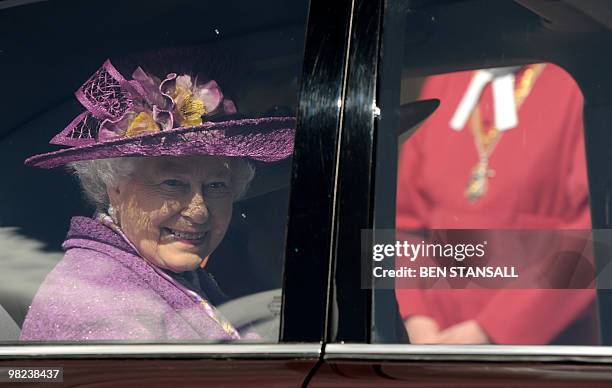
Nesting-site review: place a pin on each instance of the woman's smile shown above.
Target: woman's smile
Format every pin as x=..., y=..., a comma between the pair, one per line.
x=196, y=239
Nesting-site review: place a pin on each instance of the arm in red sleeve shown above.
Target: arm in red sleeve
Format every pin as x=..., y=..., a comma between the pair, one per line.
x=412, y=211
x=411, y=215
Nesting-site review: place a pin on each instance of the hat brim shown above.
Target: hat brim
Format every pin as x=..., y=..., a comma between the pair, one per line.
x=265, y=139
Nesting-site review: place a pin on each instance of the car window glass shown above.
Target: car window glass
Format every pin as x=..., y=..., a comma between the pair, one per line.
x=180, y=236
x=492, y=240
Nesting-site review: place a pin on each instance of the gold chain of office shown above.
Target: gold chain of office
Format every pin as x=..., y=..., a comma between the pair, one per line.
x=486, y=141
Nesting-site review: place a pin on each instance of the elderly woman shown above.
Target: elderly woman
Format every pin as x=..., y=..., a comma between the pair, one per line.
x=163, y=178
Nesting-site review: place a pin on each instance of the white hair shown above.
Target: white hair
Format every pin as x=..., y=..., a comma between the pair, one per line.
x=96, y=175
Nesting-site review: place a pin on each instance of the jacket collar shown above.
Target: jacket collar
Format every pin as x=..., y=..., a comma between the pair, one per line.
x=88, y=229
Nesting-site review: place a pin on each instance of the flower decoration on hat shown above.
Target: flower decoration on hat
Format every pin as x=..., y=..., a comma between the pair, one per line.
x=120, y=108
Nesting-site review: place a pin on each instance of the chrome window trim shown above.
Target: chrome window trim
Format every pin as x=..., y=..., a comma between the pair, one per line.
x=496, y=353
x=214, y=351
x=333, y=352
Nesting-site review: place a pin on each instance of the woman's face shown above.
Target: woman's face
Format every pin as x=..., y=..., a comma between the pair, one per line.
x=175, y=210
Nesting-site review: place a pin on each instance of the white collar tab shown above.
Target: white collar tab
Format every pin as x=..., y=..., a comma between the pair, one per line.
x=506, y=116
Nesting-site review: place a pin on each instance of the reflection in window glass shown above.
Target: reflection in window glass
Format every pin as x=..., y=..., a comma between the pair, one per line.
x=157, y=213
x=503, y=152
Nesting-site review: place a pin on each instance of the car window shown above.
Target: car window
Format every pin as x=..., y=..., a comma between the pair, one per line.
x=489, y=238
x=166, y=219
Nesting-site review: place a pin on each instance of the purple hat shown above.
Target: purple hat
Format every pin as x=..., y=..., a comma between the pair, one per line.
x=146, y=116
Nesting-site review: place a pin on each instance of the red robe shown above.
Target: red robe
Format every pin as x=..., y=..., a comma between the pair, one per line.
x=540, y=183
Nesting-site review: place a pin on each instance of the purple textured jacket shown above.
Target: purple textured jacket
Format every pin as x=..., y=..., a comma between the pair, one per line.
x=102, y=290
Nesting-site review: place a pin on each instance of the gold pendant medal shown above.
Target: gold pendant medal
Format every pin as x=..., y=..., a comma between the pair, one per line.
x=477, y=183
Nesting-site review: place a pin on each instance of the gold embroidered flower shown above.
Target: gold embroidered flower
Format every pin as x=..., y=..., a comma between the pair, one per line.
x=192, y=102
x=141, y=124
x=189, y=108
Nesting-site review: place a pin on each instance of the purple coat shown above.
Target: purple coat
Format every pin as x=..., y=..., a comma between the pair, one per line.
x=102, y=290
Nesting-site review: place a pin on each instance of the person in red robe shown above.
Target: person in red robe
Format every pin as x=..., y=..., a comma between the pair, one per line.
x=459, y=171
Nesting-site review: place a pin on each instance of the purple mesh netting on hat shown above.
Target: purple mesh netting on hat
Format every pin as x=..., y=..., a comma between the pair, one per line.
x=104, y=94
x=107, y=96
x=83, y=130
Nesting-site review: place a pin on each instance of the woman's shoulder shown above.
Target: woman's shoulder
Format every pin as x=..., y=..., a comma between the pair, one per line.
x=82, y=267
x=99, y=277
x=97, y=255
x=87, y=295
